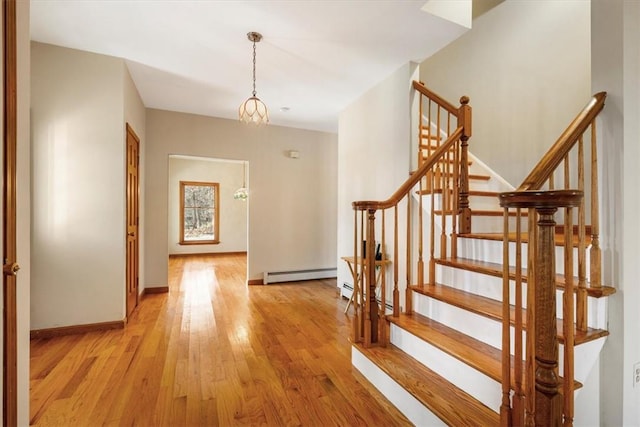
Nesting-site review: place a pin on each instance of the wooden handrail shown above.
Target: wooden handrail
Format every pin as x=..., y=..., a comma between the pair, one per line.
x=550, y=161
x=435, y=97
x=406, y=187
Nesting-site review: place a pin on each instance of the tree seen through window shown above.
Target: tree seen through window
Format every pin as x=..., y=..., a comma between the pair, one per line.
x=199, y=212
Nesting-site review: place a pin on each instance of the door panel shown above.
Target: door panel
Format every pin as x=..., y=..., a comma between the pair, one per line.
x=10, y=265
x=132, y=256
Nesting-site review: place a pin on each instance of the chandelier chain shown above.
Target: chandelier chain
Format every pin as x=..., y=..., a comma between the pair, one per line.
x=254, y=68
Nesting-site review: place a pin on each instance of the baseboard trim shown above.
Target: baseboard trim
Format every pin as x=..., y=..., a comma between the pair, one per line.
x=207, y=254
x=255, y=282
x=155, y=290
x=76, y=329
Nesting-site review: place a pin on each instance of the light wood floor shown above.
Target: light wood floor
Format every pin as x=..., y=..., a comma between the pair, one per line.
x=211, y=352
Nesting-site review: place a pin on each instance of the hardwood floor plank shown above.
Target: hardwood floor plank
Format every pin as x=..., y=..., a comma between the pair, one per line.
x=212, y=352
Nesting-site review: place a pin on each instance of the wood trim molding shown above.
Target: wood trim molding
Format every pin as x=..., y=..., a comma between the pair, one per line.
x=155, y=290
x=255, y=282
x=207, y=254
x=76, y=329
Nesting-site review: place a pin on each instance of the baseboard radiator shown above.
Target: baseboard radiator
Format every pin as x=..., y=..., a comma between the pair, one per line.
x=298, y=275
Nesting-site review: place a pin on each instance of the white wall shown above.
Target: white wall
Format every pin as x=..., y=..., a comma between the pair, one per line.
x=616, y=69
x=373, y=155
x=78, y=174
x=292, y=221
x=233, y=213
x=23, y=210
x=526, y=67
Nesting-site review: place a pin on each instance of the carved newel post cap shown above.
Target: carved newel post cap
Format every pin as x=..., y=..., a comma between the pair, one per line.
x=464, y=100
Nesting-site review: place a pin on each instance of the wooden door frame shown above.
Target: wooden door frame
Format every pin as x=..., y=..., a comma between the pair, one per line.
x=10, y=266
x=129, y=196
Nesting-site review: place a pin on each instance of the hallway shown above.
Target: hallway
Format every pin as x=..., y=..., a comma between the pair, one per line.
x=211, y=352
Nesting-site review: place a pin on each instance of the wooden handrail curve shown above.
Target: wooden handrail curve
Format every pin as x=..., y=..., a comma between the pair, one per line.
x=541, y=199
x=406, y=187
x=552, y=159
x=435, y=97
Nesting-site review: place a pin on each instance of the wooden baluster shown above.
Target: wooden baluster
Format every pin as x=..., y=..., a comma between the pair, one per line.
x=568, y=316
x=518, y=395
x=464, y=120
x=505, y=407
x=362, y=276
x=420, y=272
x=371, y=308
x=396, y=293
x=581, y=298
x=444, y=200
x=596, y=255
x=568, y=304
x=408, y=292
x=432, y=231
x=357, y=334
x=420, y=131
x=454, y=201
x=548, y=406
x=383, y=285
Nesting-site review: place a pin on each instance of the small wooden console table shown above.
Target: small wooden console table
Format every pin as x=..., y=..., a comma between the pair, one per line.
x=357, y=267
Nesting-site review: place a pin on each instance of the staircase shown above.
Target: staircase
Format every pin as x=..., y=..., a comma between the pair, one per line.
x=484, y=330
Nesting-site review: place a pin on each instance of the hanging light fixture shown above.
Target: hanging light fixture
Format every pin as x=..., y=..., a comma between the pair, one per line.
x=253, y=110
x=242, y=193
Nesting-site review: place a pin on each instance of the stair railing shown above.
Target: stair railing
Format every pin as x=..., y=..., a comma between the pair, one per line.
x=442, y=169
x=534, y=371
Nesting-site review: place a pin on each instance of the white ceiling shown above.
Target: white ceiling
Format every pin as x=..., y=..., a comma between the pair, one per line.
x=316, y=57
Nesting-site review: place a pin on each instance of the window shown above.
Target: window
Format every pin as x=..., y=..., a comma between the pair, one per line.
x=199, y=207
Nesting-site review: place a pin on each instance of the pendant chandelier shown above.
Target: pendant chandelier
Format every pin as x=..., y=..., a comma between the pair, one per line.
x=242, y=193
x=253, y=110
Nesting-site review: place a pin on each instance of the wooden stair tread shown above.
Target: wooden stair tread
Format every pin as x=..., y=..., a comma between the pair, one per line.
x=478, y=193
x=445, y=400
x=493, y=269
x=559, y=238
x=492, y=309
x=482, y=212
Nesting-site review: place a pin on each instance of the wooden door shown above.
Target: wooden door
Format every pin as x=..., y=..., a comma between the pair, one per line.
x=10, y=266
x=133, y=160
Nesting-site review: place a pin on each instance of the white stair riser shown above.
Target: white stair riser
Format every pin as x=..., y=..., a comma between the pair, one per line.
x=491, y=287
x=458, y=373
x=413, y=409
x=491, y=251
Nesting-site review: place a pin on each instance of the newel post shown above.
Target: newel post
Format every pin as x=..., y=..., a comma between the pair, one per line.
x=464, y=120
x=548, y=401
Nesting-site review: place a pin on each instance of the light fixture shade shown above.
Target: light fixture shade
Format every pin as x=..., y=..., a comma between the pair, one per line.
x=241, y=194
x=253, y=111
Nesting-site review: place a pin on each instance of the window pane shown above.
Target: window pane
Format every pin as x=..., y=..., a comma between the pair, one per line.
x=200, y=224
x=200, y=196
